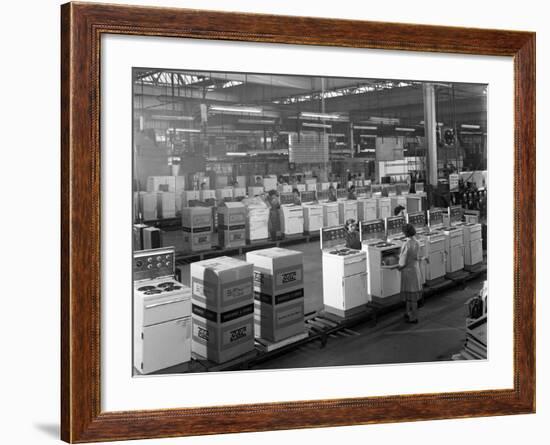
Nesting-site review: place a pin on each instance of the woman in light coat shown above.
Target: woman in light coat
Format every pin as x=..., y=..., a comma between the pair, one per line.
x=274, y=222
x=411, y=278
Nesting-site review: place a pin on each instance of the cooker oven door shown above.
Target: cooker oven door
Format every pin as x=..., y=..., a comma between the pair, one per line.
x=166, y=344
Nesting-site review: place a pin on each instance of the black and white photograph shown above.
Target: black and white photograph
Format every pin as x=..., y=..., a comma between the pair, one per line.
x=291, y=221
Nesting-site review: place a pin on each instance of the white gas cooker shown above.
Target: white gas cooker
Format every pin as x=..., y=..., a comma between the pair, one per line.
x=366, y=209
x=344, y=274
x=384, y=207
x=313, y=217
x=473, y=243
x=331, y=213
x=292, y=219
x=454, y=248
x=162, y=312
x=383, y=278
x=347, y=209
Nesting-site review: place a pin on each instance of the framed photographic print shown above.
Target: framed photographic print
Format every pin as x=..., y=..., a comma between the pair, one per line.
x=276, y=222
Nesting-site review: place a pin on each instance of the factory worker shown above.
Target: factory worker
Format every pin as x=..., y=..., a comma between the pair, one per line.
x=274, y=215
x=351, y=193
x=352, y=235
x=297, y=200
x=411, y=280
x=332, y=193
x=399, y=211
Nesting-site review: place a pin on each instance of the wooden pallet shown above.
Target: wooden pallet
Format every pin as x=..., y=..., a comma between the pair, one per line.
x=479, y=267
x=267, y=346
x=459, y=276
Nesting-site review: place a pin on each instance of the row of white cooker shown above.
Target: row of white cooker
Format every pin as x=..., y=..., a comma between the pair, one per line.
x=316, y=211
x=351, y=278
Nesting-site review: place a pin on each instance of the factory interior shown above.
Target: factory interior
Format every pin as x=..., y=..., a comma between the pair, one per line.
x=272, y=218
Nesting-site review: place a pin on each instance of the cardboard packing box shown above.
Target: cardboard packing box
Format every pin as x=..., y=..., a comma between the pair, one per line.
x=196, y=225
x=152, y=238
x=179, y=184
x=188, y=197
x=278, y=293
x=149, y=205
x=232, y=224
x=270, y=183
x=222, y=308
x=137, y=232
x=166, y=205
x=161, y=184
x=224, y=194
x=257, y=217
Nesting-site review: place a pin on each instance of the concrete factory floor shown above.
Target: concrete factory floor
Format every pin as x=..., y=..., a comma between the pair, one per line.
x=439, y=334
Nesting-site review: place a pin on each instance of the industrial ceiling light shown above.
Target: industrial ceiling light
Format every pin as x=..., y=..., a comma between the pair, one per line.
x=384, y=120
x=257, y=121
x=403, y=129
x=439, y=124
x=470, y=127
x=367, y=135
x=313, y=125
x=167, y=117
x=336, y=135
x=327, y=116
x=184, y=130
x=235, y=109
x=365, y=127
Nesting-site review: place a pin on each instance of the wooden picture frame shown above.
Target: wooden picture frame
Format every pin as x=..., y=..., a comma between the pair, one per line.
x=82, y=26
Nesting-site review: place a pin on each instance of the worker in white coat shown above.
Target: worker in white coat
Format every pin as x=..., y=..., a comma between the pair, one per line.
x=411, y=278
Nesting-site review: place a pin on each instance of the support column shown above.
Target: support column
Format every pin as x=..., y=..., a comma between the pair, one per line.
x=351, y=141
x=430, y=128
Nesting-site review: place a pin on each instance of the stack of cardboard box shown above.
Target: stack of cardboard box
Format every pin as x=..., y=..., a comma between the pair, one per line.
x=257, y=217
x=197, y=228
x=148, y=203
x=232, y=224
x=166, y=202
x=278, y=293
x=222, y=308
